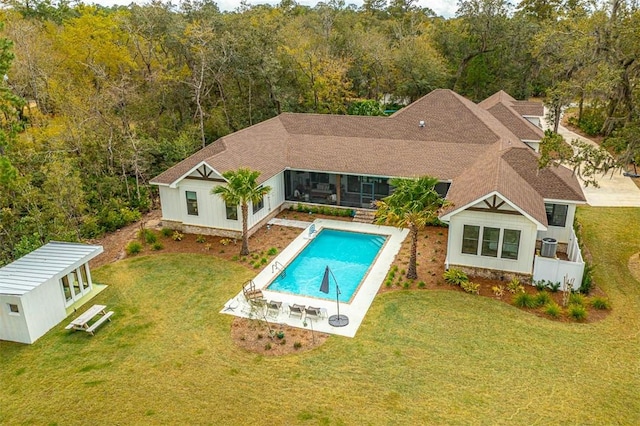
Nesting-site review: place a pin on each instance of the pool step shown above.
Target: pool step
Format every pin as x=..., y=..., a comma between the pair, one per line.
x=364, y=216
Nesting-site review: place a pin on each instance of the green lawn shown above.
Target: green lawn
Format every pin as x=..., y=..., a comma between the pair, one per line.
x=420, y=356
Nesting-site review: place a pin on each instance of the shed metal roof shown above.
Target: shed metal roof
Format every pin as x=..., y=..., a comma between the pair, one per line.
x=42, y=264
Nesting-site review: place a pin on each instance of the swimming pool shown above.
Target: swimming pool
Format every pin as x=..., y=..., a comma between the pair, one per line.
x=349, y=255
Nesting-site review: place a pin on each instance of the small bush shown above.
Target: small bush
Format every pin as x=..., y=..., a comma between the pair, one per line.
x=498, y=290
x=147, y=235
x=297, y=345
x=576, y=299
x=157, y=246
x=542, y=298
x=272, y=251
x=225, y=241
x=389, y=283
x=587, y=278
x=554, y=287
x=553, y=310
x=267, y=346
x=514, y=286
x=600, y=303
x=177, y=236
x=422, y=284
x=406, y=285
x=540, y=285
x=260, y=336
x=235, y=258
x=470, y=287
x=577, y=312
x=455, y=276
x=524, y=300
x=263, y=261
x=280, y=334
x=166, y=232
x=200, y=239
x=208, y=246
x=134, y=247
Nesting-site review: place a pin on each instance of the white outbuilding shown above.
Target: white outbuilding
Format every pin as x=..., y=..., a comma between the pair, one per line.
x=39, y=290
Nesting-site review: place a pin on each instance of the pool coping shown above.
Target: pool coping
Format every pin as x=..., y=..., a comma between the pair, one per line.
x=360, y=302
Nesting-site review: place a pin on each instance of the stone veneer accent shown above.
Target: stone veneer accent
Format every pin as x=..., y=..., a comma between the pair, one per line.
x=493, y=274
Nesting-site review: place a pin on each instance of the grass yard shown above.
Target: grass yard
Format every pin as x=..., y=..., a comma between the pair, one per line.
x=437, y=357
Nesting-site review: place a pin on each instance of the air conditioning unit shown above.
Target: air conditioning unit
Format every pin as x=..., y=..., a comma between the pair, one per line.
x=549, y=247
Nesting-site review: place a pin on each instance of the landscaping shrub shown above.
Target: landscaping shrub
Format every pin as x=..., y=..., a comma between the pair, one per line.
x=455, y=276
x=514, y=286
x=498, y=290
x=272, y=251
x=587, y=278
x=166, y=232
x=577, y=312
x=297, y=345
x=553, y=310
x=576, y=299
x=406, y=285
x=470, y=287
x=150, y=237
x=389, y=283
x=554, y=287
x=422, y=284
x=267, y=346
x=524, y=300
x=543, y=298
x=134, y=247
x=200, y=239
x=177, y=236
x=263, y=261
x=157, y=246
x=600, y=303
x=540, y=285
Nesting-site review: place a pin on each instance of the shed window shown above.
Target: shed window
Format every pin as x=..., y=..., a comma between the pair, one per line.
x=490, y=237
x=232, y=212
x=13, y=309
x=510, y=244
x=556, y=214
x=66, y=288
x=470, y=238
x=192, y=203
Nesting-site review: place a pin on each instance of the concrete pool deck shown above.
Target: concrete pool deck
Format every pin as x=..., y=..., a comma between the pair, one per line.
x=355, y=310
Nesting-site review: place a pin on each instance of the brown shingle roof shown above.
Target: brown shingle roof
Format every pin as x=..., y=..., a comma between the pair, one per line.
x=460, y=141
x=520, y=126
x=534, y=109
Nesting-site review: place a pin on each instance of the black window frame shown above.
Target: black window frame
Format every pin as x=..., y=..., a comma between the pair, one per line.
x=466, y=238
x=509, y=254
x=231, y=211
x=259, y=205
x=192, y=204
x=555, y=216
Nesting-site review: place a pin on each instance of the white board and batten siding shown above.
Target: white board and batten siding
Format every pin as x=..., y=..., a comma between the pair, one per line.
x=561, y=233
x=33, y=284
x=526, y=249
x=211, y=208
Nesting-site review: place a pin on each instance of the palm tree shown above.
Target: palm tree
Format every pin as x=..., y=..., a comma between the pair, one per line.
x=242, y=187
x=414, y=204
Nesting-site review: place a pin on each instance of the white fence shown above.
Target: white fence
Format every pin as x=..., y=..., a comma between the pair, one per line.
x=556, y=270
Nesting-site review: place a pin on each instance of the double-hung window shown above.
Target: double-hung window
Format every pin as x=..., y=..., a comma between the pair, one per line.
x=232, y=211
x=470, y=238
x=258, y=206
x=510, y=244
x=192, y=203
x=490, y=238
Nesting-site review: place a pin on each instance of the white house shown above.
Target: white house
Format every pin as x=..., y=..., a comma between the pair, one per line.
x=503, y=207
x=38, y=290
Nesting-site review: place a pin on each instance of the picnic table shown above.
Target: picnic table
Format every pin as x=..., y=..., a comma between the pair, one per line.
x=82, y=322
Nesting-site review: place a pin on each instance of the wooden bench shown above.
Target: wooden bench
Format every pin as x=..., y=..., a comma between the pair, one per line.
x=98, y=323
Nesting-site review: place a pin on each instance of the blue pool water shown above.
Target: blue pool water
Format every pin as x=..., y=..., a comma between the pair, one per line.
x=349, y=256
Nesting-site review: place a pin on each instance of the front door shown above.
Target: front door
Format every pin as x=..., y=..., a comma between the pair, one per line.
x=366, y=194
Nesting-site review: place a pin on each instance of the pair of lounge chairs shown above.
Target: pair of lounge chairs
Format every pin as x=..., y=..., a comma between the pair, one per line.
x=308, y=312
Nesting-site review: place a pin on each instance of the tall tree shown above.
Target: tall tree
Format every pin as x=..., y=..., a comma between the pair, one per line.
x=242, y=187
x=414, y=204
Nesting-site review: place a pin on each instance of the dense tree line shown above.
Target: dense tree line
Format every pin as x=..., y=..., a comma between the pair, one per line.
x=96, y=101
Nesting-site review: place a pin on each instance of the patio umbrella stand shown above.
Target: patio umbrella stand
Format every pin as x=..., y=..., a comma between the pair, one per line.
x=334, y=320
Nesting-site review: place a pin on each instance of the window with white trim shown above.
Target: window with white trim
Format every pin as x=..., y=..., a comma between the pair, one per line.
x=496, y=242
x=510, y=244
x=258, y=206
x=490, y=238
